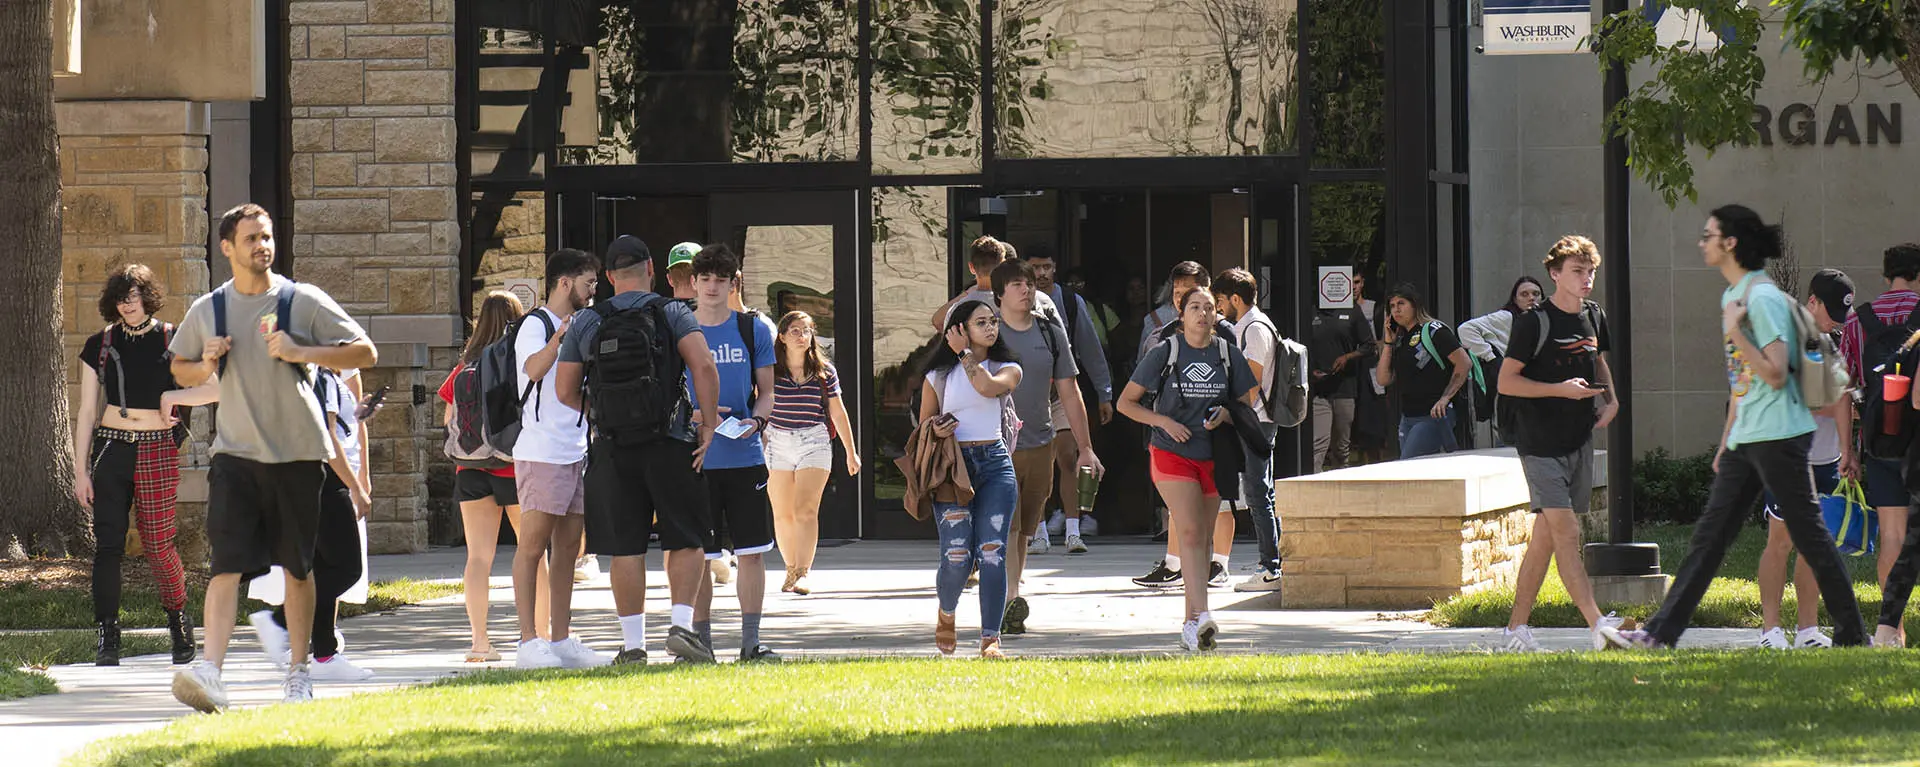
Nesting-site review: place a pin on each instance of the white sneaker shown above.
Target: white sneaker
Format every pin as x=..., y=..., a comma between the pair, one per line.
x=1089, y=527
x=1076, y=545
x=1057, y=524
x=1039, y=544
x=273, y=638
x=1775, y=639
x=299, y=685
x=587, y=569
x=1608, y=622
x=199, y=687
x=1812, y=638
x=1265, y=580
x=573, y=654
x=722, y=570
x=536, y=653
x=1521, y=640
x=338, y=669
x=1190, y=636
x=1208, y=631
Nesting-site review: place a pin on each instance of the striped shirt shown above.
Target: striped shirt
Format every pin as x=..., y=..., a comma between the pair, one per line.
x=1892, y=307
x=800, y=404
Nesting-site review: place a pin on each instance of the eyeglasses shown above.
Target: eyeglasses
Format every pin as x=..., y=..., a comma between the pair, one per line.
x=800, y=331
x=1705, y=237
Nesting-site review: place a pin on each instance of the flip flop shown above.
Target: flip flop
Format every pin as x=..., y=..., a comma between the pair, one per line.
x=490, y=656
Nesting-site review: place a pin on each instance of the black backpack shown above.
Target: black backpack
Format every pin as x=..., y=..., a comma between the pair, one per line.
x=635, y=389
x=1879, y=352
x=1507, y=415
x=501, y=398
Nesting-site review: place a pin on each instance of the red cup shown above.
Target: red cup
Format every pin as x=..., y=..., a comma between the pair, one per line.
x=1894, y=388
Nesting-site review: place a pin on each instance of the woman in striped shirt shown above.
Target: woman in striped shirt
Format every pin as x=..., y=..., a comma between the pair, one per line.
x=799, y=443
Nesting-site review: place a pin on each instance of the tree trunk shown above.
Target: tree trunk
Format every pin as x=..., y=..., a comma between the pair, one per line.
x=37, y=512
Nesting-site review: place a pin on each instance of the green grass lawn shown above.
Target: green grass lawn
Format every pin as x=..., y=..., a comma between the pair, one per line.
x=1733, y=601
x=1746, y=709
x=24, y=684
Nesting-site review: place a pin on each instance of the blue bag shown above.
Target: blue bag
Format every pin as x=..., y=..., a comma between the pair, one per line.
x=1855, y=525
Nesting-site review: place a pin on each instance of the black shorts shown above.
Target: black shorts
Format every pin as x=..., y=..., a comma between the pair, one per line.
x=479, y=485
x=742, y=518
x=634, y=491
x=263, y=514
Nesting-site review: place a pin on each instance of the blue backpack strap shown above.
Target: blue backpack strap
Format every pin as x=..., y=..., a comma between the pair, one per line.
x=220, y=322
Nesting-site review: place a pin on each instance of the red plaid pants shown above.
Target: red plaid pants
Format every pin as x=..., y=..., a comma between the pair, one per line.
x=148, y=483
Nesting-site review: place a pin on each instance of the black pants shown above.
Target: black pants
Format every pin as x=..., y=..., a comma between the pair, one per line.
x=336, y=562
x=1779, y=467
x=1899, y=587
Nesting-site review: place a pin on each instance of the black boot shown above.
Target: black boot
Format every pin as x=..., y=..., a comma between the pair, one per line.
x=181, y=627
x=108, y=653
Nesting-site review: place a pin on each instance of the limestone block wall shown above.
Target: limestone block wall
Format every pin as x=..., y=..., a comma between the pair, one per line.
x=1400, y=562
x=374, y=216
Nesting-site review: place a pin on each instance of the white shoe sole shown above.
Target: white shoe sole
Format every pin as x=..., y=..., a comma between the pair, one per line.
x=189, y=690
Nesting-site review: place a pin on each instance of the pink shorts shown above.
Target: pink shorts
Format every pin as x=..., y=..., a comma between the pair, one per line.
x=552, y=488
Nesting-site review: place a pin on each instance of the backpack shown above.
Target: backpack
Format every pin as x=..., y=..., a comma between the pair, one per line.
x=635, y=389
x=467, y=443
x=1288, y=371
x=326, y=387
x=1881, y=352
x=1150, y=399
x=1070, y=322
x=1474, y=373
x=501, y=398
x=1815, y=363
x=282, y=316
x=1506, y=410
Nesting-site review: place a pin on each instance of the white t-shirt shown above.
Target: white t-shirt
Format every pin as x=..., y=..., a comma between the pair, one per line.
x=1258, y=347
x=348, y=427
x=550, y=432
x=979, y=416
x=1826, y=441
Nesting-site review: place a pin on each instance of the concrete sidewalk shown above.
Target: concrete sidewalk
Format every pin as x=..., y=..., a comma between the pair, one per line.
x=870, y=599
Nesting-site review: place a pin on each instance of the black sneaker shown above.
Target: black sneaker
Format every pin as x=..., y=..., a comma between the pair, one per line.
x=686, y=644
x=636, y=656
x=1159, y=578
x=1216, y=574
x=1014, y=621
x=759, y=654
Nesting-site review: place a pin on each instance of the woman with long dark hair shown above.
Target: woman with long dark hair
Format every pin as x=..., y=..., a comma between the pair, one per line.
x=799, y=444
x=485, y=493
x=1424, y=365
x=966, y=379
x=126, y=452
x=1768, y=435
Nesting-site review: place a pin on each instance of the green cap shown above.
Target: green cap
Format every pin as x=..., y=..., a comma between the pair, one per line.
x=682, y=254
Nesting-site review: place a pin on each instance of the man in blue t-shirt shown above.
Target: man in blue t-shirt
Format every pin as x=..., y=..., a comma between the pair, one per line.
x=736, y=466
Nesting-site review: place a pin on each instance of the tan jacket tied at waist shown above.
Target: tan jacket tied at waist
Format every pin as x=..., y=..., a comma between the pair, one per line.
x=935, y=472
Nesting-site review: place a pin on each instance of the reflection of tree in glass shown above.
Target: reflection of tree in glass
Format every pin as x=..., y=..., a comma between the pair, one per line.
x=1247, y=34
x=1347, y=77
x=796, y=80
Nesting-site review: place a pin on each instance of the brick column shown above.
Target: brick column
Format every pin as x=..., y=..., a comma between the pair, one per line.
x=374, y=217
x=134, y=190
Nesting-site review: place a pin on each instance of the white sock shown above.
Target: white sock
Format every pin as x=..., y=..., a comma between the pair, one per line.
x=1073, y=526
x=1221, y=558
x=1173, y=562
x=683, y=616
x=633, y=631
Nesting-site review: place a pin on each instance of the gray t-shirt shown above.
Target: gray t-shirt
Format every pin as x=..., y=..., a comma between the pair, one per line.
x=1197, y=385
x=1032, y=397
x=267, y=413
x=577, y=347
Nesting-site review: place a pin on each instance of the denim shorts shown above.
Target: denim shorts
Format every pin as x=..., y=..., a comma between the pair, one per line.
x=793, y=450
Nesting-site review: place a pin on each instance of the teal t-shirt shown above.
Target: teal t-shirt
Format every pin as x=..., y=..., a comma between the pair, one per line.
x=1765, y=413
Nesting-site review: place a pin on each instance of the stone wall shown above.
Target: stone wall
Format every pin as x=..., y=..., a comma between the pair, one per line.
x=1400, y=562
x=374, y=217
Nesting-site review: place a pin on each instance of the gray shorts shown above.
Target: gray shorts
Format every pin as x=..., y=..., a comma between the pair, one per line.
x=1564, y=482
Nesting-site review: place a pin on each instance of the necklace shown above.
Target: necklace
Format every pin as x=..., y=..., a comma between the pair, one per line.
x=142, y=330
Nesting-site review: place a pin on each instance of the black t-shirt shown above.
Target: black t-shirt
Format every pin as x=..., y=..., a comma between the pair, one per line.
x=1555, y=426
x=1417, y=376
x=1337, y=332
x=148, y=366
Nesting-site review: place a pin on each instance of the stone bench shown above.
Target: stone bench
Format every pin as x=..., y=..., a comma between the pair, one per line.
x=1404, y=534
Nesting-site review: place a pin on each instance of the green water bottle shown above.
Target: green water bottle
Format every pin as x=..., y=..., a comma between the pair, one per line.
x=1089, y=487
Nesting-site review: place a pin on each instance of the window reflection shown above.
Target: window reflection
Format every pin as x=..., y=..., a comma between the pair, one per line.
x=1348, y=56
x=926, y=86
x=909, y=278
x=509, y=243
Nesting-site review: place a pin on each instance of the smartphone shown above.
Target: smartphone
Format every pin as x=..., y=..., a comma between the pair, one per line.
x=733, y=428
x=1596, y=386
x=372, y=403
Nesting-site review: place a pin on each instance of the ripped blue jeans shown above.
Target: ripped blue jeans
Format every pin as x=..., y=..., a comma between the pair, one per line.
x=977, y=533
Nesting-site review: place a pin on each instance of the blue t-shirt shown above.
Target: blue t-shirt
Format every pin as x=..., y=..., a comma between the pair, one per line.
x=736, y=387
x=1765, y=414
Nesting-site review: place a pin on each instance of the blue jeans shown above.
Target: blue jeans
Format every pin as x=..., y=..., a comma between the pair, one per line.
x=1425, y=435
x=978, y=534
x=1256, y=488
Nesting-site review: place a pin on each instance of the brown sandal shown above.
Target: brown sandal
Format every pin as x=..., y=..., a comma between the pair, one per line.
x=943, y=634
x=800, y=585
x=990, y=649
x=792, y=575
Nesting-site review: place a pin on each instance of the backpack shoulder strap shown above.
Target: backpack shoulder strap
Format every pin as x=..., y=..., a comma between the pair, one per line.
x=1425, y=334
x=1546, y=328
x=545, y=321
x=219, y=302
x=283, y=318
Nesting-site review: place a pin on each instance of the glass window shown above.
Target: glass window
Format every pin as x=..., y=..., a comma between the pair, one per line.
x=909, y=280
x=926, y=87
x=509, y=245
x=1145, y=78
x=1347, y=52
x=508, y=65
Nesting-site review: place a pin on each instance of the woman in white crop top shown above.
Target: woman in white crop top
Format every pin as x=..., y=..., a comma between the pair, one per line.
x=965, y=380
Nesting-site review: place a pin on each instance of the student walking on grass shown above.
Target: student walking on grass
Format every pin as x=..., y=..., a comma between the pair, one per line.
x=1556, y=370
x=1192, y=392
x=262, y=334
x=1768, y=434
x=966, y=379
x=126, y=451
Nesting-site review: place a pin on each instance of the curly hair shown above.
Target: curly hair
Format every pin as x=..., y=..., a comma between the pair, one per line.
x=122, y=282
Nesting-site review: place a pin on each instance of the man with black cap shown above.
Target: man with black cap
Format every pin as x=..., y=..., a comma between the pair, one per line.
x=1830, y=301
x=621, y=364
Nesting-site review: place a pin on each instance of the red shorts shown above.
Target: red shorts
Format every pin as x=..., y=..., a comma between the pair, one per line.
x=1168, y=467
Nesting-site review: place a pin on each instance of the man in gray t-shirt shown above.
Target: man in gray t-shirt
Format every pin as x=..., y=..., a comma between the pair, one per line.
x=263, y=504
x=1041, y=347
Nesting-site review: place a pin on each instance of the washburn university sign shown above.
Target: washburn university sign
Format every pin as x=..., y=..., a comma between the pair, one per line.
x=1536, y=26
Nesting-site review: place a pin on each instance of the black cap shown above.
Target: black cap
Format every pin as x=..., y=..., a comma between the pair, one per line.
x=1835, y=291
x=625, y=251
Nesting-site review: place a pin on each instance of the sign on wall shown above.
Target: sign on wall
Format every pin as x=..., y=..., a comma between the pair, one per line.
x=1335, y=287
x=528, y=291
x=1536, y=26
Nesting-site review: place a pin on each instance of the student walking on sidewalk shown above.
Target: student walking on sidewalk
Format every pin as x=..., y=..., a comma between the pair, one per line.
x=1769, y=431
x=1556, y=370
x=806, y=398
x=262, y=334
x=126, y=453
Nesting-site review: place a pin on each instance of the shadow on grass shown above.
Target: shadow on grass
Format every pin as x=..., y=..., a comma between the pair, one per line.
x=1648, y=709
